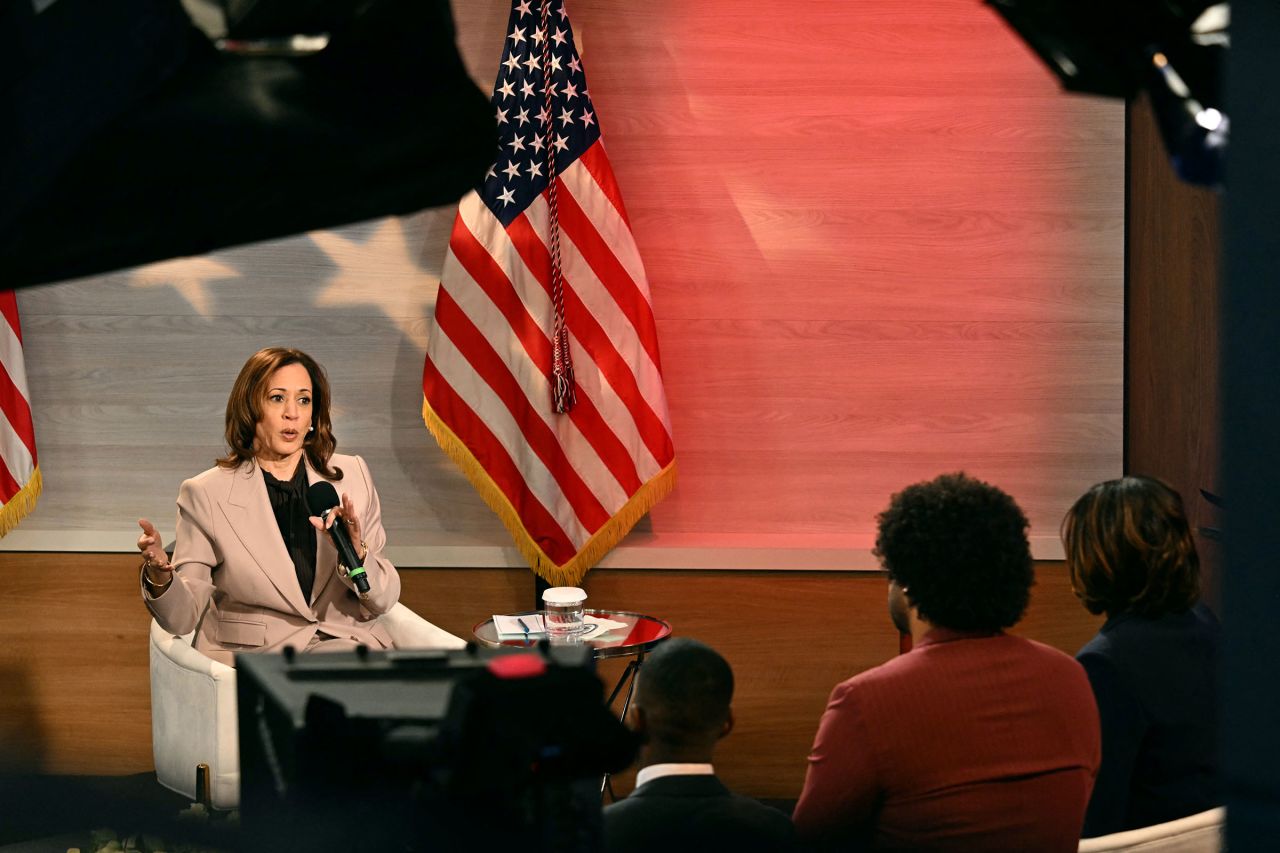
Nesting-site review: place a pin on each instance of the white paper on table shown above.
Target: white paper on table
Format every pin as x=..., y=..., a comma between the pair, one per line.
x=602, y=625
x=509, y=626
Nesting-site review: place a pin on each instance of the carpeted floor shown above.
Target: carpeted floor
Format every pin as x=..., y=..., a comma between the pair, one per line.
x=50, y=814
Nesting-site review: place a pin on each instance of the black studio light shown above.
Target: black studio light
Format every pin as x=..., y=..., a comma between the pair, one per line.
x=135, y=137
x=1174, y=50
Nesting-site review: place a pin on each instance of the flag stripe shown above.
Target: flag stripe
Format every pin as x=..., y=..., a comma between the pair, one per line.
x=619, y=332
x=612, y=225
x=539, y=438
x=9, y=308
x=596, y=161
x=489, y=275
x=15, y=453
x=502, y=430
x=20, y=481
x=580, y=229
x=12, y=358
x=531, y=381
x=615, y=332
x=510, y=250
x=533, y=290
x=9, y=487
x=17, y=412
x=497, y=464
x=608, y=447
x=651, y=430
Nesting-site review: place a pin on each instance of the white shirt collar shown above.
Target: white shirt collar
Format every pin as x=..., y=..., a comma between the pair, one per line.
x=657, y=771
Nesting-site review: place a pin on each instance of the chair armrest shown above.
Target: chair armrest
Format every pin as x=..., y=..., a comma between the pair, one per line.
x=408, y=630
x=1197, y=833
x=193, y=719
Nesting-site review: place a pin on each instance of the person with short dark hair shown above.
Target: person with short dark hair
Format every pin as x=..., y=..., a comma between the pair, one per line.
x=975, y=739
x=682, y=710
x=1152, y=665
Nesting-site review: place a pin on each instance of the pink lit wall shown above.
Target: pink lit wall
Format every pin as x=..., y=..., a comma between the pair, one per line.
x=882, y=244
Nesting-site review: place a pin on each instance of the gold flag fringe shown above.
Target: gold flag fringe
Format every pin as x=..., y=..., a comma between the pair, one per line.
x=572, y=572
x=21, y=504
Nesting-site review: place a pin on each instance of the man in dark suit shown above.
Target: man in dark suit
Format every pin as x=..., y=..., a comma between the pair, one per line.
x=681, y=709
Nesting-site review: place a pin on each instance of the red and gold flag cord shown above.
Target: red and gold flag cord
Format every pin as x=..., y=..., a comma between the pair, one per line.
x=563, y=397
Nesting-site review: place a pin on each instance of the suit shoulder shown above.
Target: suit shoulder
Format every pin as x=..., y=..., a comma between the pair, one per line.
x=765, y=815
x=621, y=817
x=211, y=478
x=1204, y=615
x=351, y=464
x=620, y=807
x=1099, y=646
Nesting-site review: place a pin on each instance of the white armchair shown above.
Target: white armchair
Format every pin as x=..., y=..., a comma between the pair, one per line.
x=193, y=707
x=1197, y=833
x=193, y=719
x=408, y=630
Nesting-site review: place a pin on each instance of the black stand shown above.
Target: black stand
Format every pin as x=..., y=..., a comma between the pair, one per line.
x=627, y=680
x=539, y=586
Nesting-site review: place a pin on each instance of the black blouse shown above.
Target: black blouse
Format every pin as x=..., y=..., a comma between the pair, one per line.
x=289, y=502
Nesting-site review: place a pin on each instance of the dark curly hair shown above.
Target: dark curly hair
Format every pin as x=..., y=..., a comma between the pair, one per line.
x=244, y=409
x=958, y=547
x=1129, y=549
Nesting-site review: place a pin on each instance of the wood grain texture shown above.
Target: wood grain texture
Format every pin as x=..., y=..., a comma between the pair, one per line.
x=74, y=689
x=881, y=245
x=1172, y=395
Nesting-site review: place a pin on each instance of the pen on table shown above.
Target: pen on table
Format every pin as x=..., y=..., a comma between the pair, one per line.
x=524, y=626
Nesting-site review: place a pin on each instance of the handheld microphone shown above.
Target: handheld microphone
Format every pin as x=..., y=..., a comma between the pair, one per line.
x=322, y=500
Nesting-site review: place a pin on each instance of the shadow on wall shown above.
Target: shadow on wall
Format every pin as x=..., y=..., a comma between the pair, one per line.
x=358, y=299
x=22, y=739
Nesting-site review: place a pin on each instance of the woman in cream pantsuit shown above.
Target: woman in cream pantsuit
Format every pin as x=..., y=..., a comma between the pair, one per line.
x=252, y=570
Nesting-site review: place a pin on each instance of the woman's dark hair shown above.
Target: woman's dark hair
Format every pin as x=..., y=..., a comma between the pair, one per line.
x=244, y=409
x=958, y=547
x=1129, y=549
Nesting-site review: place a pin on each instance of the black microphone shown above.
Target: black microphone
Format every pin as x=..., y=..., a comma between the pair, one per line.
x=322, y=500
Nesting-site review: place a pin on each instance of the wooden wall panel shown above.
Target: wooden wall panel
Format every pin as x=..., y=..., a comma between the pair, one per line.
x=905, y=257
x=74, y=682
x=74, y=689
x=882, y=244
x=1172, y=397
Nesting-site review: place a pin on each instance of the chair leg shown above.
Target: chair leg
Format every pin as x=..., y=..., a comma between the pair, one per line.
x=204, y=796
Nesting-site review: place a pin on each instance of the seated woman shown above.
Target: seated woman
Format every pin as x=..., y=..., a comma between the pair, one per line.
x=251, y=569
x=1131, y=556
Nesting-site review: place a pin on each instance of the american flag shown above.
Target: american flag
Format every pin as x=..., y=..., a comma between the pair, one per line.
x=543, y=286
x=19, y=469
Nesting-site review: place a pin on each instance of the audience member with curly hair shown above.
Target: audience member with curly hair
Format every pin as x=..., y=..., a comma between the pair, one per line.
x=1152, y=665
x=975, y=739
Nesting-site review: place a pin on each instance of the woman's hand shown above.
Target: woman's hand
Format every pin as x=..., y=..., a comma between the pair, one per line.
x=155, y=562
x=345, y=514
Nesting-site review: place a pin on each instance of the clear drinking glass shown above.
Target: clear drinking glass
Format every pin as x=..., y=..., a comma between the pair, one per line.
x=563, y=615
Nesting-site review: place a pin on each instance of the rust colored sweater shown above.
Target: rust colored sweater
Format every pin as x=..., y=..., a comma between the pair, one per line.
x=971, y=741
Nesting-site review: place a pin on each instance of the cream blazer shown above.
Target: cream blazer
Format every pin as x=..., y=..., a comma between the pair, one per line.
x=235, y=584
